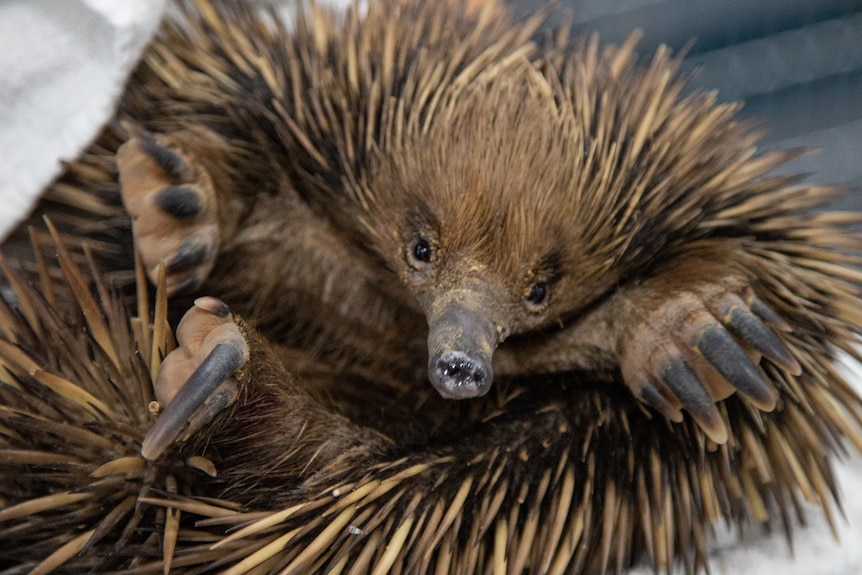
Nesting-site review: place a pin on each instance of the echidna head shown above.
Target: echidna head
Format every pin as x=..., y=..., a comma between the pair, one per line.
x=477, y=218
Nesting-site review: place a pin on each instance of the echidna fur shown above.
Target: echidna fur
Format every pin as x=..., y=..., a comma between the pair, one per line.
x=564, y=475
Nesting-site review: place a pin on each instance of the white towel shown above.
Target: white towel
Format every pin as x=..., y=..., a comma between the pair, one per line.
x=63, y=65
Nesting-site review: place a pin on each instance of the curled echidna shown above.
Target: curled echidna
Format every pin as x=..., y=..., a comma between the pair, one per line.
x=639, y=320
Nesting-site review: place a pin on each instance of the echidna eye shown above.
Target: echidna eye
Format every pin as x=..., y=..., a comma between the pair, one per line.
x=538, y=293
x=422, y=250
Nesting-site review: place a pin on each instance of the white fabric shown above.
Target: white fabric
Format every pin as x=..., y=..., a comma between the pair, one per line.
x=62, y=66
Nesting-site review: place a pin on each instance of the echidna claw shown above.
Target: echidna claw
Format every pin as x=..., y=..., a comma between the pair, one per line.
x=183, y=413
x=182, y=202
x=195, y=381
x=169, y=161
x=192, y=253
x=750, y=329
x=653, y=397
x=220, y=399
x=681, y=379
x=766, y=313
x=719, y=348
x=701, y=345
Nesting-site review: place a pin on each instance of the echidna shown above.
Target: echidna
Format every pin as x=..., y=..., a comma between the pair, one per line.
x=640, y=320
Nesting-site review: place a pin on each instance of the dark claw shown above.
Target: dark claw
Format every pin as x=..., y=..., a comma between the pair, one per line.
x=686, y=386
x=767, y=314
x=215, y=404
x=181, y=202
x=725, y=355
x=755, y=333
x=174, y=166
x=652, y=397
x=219, y=365
x=213, y=305
x=191, y=254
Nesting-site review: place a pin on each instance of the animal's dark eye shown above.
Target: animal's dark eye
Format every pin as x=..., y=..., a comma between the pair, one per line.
x=538, y=294
x=422, y=250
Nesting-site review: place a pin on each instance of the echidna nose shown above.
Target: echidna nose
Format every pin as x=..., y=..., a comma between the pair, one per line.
x=457, y=375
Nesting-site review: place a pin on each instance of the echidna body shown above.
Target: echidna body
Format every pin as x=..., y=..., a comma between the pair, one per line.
x=562, y=239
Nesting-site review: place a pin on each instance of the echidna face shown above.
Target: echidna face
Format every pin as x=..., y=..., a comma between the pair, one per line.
x=477, y=220
x=465, y=303
x=474, y=294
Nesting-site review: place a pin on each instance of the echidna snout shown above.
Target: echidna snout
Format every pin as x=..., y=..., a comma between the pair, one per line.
x=458, y=375
x=461, y=341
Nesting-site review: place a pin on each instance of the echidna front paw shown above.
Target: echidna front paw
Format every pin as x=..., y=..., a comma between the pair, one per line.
x=701, y=345
x=196, y=381
x=171, y=201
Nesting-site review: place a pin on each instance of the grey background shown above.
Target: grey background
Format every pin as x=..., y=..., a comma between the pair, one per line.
x=797, y=64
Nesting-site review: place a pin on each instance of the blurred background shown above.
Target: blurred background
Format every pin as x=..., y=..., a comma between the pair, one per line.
x=797, y=64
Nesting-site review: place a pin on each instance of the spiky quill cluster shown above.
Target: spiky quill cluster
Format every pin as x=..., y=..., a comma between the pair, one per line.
x=604, y=483
x=558, y=473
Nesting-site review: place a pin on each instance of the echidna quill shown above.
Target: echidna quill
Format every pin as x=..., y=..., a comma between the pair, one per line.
x=472, y=304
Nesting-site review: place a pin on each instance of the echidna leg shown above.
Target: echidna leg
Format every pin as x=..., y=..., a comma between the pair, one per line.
x=195, y=380
x=688, y=344
x=171, y=201
x=263, y=424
